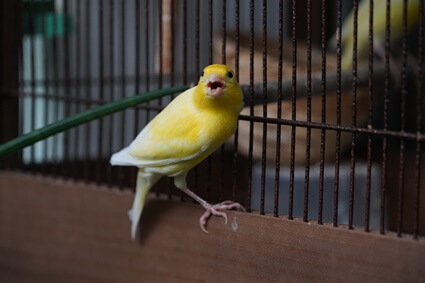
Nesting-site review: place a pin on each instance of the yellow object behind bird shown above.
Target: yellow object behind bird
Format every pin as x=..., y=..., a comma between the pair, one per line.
x=379, y=24
x=188, y=130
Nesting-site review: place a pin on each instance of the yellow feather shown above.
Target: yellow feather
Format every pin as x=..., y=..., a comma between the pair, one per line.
x=189, y=129
x=379, y=24
x=193, y=124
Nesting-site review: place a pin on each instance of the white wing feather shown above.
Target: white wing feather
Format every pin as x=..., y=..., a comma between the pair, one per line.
x=124, y=158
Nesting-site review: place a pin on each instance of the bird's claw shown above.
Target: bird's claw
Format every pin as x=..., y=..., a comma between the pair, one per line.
x=216, y=210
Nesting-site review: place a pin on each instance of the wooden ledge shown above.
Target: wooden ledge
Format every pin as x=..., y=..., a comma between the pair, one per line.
x=57, y=231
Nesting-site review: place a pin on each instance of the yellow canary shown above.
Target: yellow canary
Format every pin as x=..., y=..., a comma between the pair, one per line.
x=187, y=131
x=379, y=24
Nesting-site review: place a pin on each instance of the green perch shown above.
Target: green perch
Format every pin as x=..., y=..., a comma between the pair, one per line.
x=82, y=118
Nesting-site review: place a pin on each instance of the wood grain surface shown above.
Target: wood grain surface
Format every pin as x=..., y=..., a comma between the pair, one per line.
x=57, y=231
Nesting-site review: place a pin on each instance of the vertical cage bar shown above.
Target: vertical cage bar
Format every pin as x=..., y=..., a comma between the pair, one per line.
x=32, y=79
x=236, y=139
x=223, y=61
x=197, y=40
x=171, y=51
x=420, y=90
x=338, y=113
x=16, y=128
x=264, y=146
x=19, y=43
x=56, y=79
x=109, y=171
x=223, y=32
x=67, y=100
x=147, y=55
x=10, y=72
x=237, y=37
x=370, y=119
x=294, y=109
x=210, y=61
x=101, y=96
x=160, y=57
x=44, y=168
x=161, y=44
x=197, y=69
x=323, y=120
x=88, y=132
x=279, y=113
x=184, y=50
x=173, y=39
x=184, y=41
x=354, y=118
x=137, y=58
x=123, y=116
x=402, y=121
x=137, y=79
x=251, y=103
x=308, y=137
x=78, y=108
x=147, y=39
x=67, y=165
x=46, y=87
x=172, y=23
x=386, y=106
x=210, y=32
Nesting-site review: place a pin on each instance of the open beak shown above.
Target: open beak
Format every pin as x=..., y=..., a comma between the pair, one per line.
x=215, y=85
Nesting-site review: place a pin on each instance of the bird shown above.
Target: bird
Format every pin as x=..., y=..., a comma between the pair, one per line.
x=188, y=130
x=379, y=27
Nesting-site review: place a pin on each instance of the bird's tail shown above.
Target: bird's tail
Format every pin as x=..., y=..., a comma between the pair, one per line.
x=145, y=181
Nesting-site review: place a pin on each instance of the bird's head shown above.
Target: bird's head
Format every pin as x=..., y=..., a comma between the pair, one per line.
x=218, y=86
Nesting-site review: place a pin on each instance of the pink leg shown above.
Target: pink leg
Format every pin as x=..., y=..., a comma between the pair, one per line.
x=215, y=209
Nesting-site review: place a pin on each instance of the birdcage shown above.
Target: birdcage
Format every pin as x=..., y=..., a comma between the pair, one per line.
x=327, y=158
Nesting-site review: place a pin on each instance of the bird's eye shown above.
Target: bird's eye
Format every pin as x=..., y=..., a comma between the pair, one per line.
x=202, y=74
x=229, y=74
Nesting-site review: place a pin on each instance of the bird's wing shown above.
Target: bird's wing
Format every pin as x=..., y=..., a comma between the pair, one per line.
x=175, y=135
x=125, y=158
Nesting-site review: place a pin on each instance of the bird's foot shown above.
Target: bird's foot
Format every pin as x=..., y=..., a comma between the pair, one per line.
x=217, y=210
